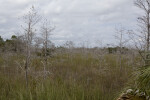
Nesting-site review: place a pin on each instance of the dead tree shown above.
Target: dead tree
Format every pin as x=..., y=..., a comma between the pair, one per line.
x=46, y=30
x=121, y=40
x=141, y=37
x=30, y=19
x=144, y=22
x=38, y=41
x=100, y=53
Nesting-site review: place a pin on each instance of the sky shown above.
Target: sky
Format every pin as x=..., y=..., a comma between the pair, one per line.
x=85, y=22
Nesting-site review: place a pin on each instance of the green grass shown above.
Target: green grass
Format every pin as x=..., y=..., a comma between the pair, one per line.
x=48, y=90
x=72, y=77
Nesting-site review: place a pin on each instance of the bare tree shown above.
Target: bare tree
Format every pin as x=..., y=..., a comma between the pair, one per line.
x=121, y=37
x=46, y=30
x=69, y=44
x=141, y=37
x=30, y=20
x=144, y=22
x=100, y=53
x=38, y=41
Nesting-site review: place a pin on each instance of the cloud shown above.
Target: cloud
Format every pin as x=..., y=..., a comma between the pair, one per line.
x=76, y=20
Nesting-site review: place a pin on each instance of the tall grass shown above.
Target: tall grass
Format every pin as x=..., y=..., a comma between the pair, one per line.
x=71, y=77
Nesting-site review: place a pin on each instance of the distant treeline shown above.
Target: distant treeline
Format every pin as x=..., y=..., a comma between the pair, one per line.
x=17, y=44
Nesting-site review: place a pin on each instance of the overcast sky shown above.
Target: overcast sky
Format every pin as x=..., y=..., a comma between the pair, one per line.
x=76, y=20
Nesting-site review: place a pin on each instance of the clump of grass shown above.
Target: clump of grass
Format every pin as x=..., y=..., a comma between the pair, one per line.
x=143, y=79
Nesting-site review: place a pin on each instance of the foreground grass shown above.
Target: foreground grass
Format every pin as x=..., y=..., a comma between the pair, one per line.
x=11, y=89
x=71, y=77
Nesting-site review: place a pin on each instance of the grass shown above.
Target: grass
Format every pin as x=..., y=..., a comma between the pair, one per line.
x=72, y=77
x=47, y=90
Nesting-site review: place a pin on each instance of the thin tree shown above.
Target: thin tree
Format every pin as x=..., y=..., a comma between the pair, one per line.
x=121, y=40
x=30, y=20
x=46, y=30
x=100, y=53
x=144, y=21
x=141, y=38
